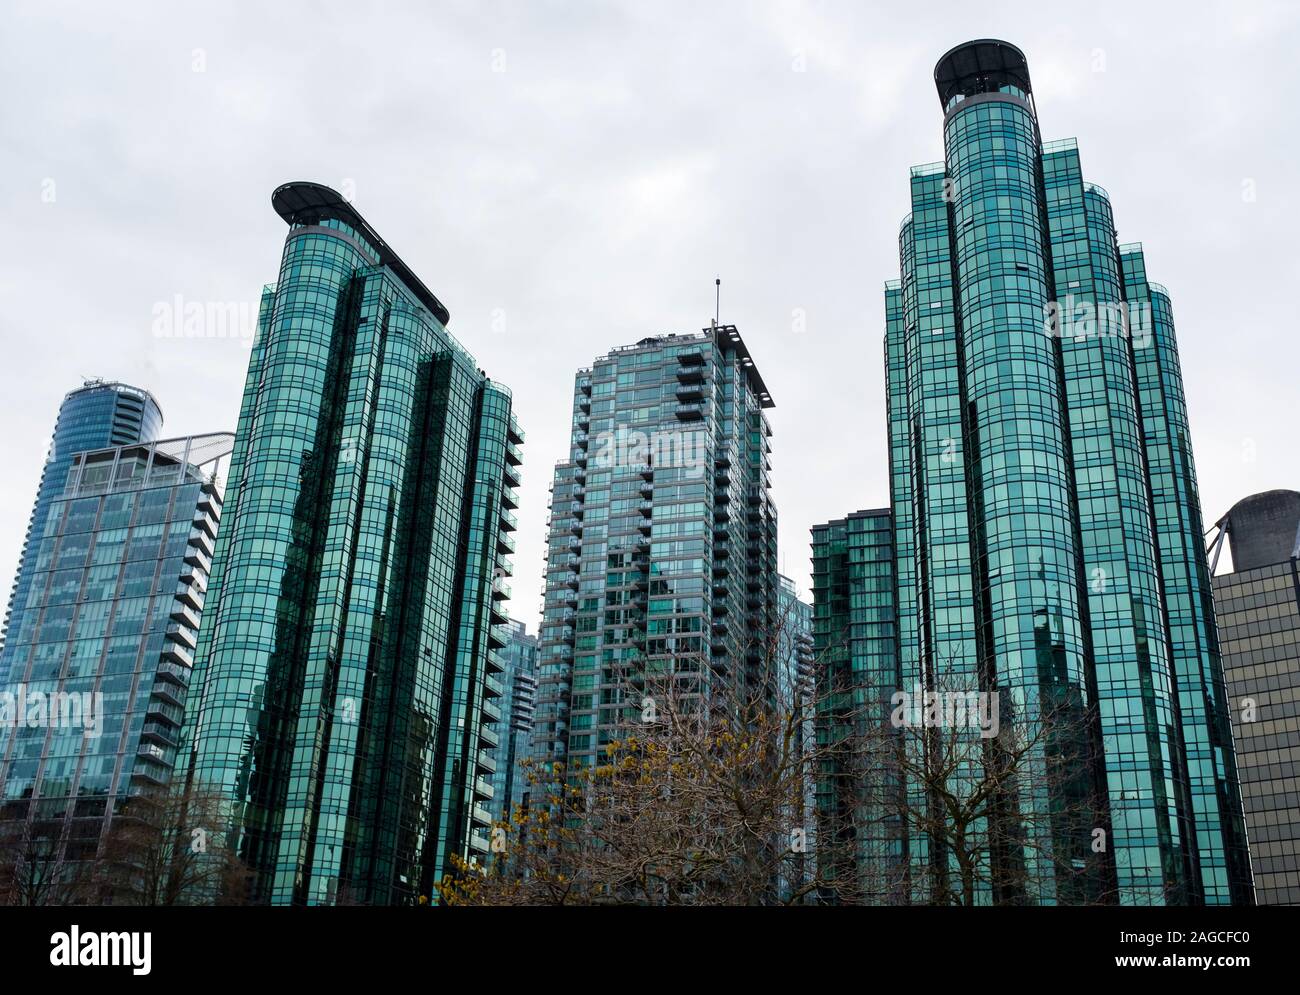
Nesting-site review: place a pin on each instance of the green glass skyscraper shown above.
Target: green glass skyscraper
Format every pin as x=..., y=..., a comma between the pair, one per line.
x=1047, y=524
x=855, y=649
x=348, y=664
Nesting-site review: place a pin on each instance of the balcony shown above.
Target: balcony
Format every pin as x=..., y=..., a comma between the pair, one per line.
x=690, y=412
x=645, y=507
x=200, y=539
x=513, y=454
x=509, y=498
x=197, y=558
x=160, y=732
x=177, y=653
x=690, y=374
x=510, y=476
x=690, y=392
x=505, y=543
x=183, y=634
x=185, y=615
x=158, y=710
x=148, y=769
x=693, y=356
x=174, y=673
x=191, y=595
x=172, y=694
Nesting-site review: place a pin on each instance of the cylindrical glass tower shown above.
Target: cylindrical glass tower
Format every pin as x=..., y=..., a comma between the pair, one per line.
x=96, y=415
x=1047, y=519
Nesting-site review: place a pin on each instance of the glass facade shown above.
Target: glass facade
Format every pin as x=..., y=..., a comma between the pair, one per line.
x=1046, y=517
x=95, y=416
x=115, y=594
x=855, y=645
x=662, y=537
x=510, y=786
x=349, y=672
x=798, y=695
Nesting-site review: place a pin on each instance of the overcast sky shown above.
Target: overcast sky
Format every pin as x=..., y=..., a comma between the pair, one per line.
x=568, y=177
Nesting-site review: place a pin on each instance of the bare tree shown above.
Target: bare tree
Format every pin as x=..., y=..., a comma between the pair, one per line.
x=703, y=799
x=169, y=848
x=1007, y=813
x=33, y=869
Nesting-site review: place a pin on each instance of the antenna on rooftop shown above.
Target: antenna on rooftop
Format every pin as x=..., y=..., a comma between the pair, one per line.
x=717, y=300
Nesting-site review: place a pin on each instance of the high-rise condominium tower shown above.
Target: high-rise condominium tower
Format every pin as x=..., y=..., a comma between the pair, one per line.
x=519, y=682
x=100, y=660
x=796, y=696
x=662, y=545
x=94, y=416
x=349, y=657
x=1048, y=528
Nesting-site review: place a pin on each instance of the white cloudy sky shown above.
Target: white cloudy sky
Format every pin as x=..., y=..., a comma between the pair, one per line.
x=591, y=191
